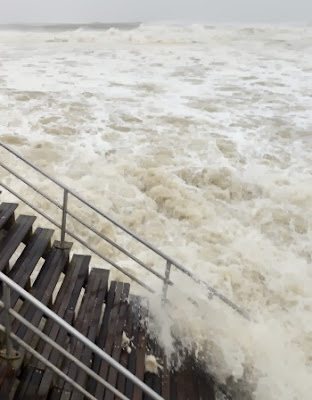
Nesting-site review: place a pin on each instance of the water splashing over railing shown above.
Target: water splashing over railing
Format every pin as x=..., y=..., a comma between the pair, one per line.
x=65, y=207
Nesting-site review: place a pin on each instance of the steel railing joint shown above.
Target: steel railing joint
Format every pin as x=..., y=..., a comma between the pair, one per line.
x=10, y=356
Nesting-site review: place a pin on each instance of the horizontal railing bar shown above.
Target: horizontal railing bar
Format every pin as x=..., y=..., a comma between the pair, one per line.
x=31, y=186
x=46, y=216
x=10, y=150
x=121, y=249
x=65, y=353
x=49, y=364
x=112, y=263
x=95, y=231
x=78, y=239
x=125, y=229
x=225, y=300
x=70, y=329
x=216, y=293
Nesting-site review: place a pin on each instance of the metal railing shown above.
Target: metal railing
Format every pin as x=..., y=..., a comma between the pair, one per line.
x=169, y=262
x=10, y=353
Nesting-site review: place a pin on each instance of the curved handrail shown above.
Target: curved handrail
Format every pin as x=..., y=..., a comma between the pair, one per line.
x=169, y=261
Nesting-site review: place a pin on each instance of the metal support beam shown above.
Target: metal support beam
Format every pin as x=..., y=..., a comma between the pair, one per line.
x=62, y=244
x=166, y=283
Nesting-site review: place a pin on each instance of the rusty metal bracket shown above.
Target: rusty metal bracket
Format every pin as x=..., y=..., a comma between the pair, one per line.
x=15, y=355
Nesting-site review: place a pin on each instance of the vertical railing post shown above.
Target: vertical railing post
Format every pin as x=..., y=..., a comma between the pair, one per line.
x=64, y=215
x=7, y=321
x=165, y=284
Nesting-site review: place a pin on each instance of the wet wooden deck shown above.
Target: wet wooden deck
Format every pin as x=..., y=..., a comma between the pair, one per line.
x=99, y=309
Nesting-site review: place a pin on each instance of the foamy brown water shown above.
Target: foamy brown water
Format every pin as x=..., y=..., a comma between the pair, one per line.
x=199, y=140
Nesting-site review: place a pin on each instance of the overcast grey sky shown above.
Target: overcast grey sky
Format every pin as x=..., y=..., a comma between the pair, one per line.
x=155, y=10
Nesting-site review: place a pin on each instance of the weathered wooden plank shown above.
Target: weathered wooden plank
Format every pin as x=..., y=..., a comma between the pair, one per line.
x=121, y=380
x=27, y=261
x=173, y=386
x=8, y=386
x=140, y=353
x=42, y=289
x=148, y=376
x=113, y=321
x=154, y=380
x=7, y=377
x=202, y=390
x=83, y=319
x=66, y=394
x=186, y=384
x=205, y=386
x=35, y=249
x=66, y=299
x=165, y=392
x=7, y=215
x=24, y=382
x=64, y=306
x=81, y=376
x=117, y=349
x=24, y=266
x=181, y=394
x=101, y=339
x=136, y=310
x=148, y=379
x=32, y=388
x=70, y=289
x=86, y=322
x=191, y=381
x=159, y=377
x=18, y=232
x=55, y=394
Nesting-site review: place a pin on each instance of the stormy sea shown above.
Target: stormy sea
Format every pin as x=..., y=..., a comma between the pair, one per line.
x=199, y=139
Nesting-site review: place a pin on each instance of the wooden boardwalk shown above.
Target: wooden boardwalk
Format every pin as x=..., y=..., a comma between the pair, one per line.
x=102, y=310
